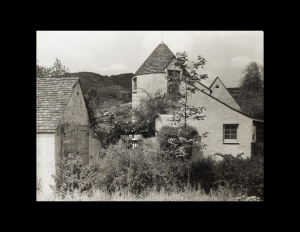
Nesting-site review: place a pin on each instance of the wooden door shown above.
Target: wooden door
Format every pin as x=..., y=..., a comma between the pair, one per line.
x=83, y=143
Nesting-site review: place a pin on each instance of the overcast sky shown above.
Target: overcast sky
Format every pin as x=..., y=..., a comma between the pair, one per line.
x=116, y=52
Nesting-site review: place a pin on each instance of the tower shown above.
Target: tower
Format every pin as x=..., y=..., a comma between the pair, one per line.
x=151, y=76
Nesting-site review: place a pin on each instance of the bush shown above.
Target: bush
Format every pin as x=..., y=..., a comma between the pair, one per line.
x=150, y=106
x=170, y=139
x=67, y=175
x=242, y=174
x=118, y=169
x=203, y=172
x=136, y=171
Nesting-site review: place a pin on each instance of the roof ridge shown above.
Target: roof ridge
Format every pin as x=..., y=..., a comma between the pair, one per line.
x=233, y=108
x=42, y=78
x=256, y=119
x=157, y=60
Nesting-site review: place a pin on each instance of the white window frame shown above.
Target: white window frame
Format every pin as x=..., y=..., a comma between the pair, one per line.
x=231, y=140
x=134, y=85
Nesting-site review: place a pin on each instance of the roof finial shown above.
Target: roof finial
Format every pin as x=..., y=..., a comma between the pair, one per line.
x=162, y=36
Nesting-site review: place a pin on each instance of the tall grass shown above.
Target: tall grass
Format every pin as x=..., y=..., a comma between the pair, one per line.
x=149, y=195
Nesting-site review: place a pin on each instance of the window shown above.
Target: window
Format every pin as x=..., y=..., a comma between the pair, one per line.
x=217, y=86
x=134, y=84
x=254, y=134
x=230, y=133
x=173, y=88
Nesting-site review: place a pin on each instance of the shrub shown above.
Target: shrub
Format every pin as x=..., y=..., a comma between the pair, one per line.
x=171, y=139
x=67, y=174
x=133, y=170
x=150, y=106
x=203, y=172
x=119, y=169
x=242, y=174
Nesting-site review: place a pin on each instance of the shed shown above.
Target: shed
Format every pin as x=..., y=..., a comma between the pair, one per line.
x=62, y=126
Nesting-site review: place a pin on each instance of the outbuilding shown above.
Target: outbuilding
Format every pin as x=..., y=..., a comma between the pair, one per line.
x=62, y=126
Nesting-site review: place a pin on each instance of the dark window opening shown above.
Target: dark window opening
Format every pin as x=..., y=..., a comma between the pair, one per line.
x=134, y=84
x=173, y=88
x=217, y=86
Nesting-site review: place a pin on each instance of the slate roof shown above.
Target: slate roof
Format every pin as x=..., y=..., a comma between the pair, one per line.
x=157, y=61
x=52, y=96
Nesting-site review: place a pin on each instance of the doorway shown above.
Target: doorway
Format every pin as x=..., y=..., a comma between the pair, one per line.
x=82, y=143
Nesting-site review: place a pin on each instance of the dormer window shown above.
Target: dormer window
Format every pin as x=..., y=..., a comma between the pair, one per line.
x=217, y=86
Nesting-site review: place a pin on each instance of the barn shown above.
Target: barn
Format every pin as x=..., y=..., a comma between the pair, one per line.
x=62, y=126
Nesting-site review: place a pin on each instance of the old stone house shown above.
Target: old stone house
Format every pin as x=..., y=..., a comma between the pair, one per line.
x=230, y=130
x=62, y=126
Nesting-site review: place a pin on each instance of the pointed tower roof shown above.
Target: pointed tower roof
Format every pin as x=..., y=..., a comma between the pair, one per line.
x=157, y=61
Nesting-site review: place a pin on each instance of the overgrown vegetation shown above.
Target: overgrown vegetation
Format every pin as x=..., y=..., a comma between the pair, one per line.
x=150, y=107
x=135, y=172
x=222, y=194
x=180, y=140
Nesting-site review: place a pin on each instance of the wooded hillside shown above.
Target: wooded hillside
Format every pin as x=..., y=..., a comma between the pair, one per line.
x=111, y=90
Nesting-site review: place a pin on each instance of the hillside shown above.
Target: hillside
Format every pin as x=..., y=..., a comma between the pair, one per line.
x=112, y=90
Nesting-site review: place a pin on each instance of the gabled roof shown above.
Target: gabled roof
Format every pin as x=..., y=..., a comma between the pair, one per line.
x=52, y=96
x=157, y=61
x=254, y=119
x=215, y=81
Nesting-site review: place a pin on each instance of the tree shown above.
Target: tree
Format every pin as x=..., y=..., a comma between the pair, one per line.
x=41, y=71
x=57, y=70
x=150, y=106
x=92, y=95
x=183, y=86
x=262, y=72
x=252, y=91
